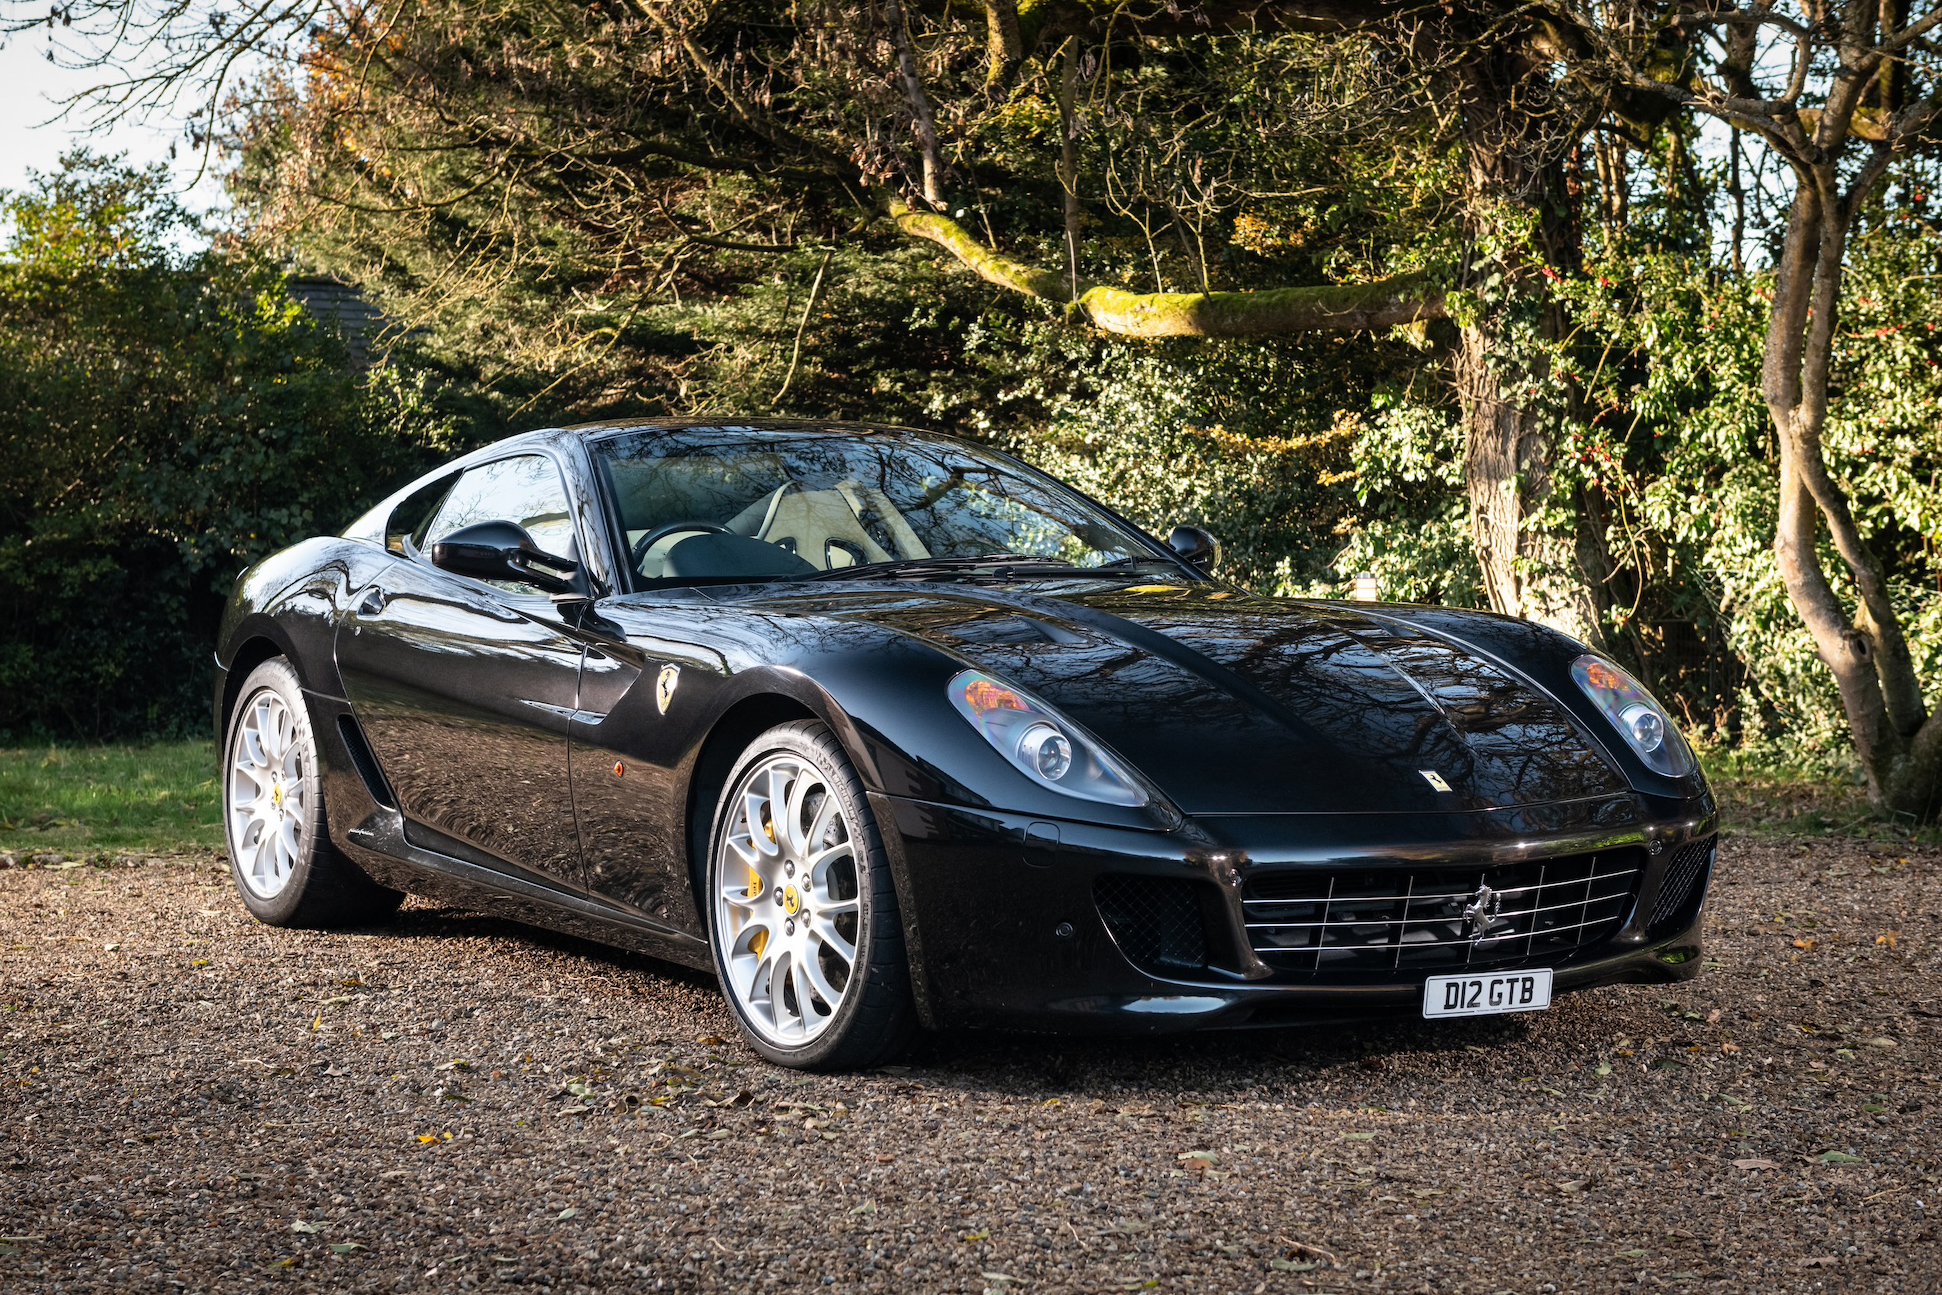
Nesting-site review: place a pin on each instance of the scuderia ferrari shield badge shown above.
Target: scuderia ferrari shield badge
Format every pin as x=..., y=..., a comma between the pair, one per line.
x=664, y=686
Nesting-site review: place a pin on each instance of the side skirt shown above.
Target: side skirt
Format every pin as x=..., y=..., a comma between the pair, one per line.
x=381, y=848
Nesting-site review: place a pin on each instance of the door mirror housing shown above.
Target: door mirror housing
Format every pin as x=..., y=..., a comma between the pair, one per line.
x=503, y=551
x=1195, y=547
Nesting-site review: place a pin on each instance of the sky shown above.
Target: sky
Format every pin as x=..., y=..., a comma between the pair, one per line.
x=29, y=86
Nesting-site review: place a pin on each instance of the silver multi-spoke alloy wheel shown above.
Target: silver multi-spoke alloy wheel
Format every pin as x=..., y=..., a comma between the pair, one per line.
x=787, y=904
x=263, y=794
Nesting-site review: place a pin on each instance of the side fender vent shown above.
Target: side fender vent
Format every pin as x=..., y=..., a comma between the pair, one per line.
x=365, y=761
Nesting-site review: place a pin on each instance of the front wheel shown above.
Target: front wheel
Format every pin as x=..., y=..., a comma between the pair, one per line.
x=802, y=911
x=286, y=869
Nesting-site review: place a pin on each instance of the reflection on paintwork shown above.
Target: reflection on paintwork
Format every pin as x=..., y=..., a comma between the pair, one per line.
x=476, y=751
x=1241, y=704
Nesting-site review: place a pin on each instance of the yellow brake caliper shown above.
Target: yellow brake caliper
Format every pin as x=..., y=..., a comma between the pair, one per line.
x=760, y=940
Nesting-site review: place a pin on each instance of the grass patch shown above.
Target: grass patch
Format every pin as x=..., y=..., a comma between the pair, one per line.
x=76, y=799
x=1760, y=794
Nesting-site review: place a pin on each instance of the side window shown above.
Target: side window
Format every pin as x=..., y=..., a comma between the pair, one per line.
x=526, y=489
x=413, y=514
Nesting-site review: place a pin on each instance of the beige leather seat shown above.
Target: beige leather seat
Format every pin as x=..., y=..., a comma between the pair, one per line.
x=821, y=527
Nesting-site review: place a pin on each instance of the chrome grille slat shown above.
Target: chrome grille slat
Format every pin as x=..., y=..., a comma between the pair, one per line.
x=1615, y=875
x=1505, y=915
x=1410, y=919
x=1430, y=944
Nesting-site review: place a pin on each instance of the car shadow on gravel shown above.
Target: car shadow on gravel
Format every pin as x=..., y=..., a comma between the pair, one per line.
x=1202, y=1064
x=425, y=920
x=1041, y=1066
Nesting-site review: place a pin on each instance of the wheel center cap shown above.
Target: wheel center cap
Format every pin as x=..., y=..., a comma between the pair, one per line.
x=276, y=793
x=791, y=901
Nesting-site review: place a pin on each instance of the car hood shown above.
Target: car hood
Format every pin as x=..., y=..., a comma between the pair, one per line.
x=1236, y=704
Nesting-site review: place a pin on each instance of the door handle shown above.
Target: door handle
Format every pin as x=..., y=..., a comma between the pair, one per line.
x=372, y=604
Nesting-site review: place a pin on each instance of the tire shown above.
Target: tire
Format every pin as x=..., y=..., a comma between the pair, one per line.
x=786, y=894
x=280, y=854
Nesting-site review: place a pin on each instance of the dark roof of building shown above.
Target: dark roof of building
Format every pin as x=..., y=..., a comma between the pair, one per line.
x=332, y=301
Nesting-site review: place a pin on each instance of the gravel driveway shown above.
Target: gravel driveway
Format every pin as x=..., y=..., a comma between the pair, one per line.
x=195, y=1101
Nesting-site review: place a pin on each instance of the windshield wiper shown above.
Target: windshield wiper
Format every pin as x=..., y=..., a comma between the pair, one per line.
x=1136, y=562
x=924, y=566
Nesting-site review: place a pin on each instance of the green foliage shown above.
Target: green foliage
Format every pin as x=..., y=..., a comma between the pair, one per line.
x=1677, y=434
x=71, y=799
x=163, y=422
x=1264, y=443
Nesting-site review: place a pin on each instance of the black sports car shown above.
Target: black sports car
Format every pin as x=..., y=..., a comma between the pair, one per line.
x=893, y=730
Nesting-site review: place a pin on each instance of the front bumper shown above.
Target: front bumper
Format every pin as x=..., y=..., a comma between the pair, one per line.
x=1005, y=929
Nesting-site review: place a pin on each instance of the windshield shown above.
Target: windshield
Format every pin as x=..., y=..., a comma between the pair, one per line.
x=759, y=503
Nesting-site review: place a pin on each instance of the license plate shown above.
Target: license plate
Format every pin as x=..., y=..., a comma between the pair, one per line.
x=1510, y=991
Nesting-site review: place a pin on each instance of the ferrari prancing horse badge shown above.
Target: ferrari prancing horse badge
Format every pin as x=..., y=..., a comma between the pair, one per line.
x=664, y=686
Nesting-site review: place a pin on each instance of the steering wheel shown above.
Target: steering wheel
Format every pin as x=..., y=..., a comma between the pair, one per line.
x=648, y=541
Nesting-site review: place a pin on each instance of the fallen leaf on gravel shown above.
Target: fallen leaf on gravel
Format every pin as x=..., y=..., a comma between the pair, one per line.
x=1818, y=1261
x=1604, y=1068
x=1806, y=942
x=568, y=1212
x=345, y=1247
x=1839, y=1158
x=1754, y=1162
x=1293, y=1265
x=982, y=1234
x=1882, y=1042
x=304, y=1225
x=1133, y=1225
x=1631, y=1254
x=1888, y=938
x=456, y=1063
x=709, y=1040
x=428, y=1137
x=870, y=1207
x=1359, y=1137
x=577, y=1109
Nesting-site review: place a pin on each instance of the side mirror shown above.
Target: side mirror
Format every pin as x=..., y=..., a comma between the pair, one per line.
x=1195, y=546
x=503, y=551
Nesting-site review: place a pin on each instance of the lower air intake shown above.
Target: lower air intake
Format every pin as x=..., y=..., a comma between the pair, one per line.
x=1684, y=884
x=1154, y=920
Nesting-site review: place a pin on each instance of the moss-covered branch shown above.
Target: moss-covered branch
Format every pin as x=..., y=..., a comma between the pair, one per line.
x=1405, y=299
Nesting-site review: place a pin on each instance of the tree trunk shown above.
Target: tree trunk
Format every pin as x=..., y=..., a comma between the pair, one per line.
x=1898, y=742
x=1517, y=182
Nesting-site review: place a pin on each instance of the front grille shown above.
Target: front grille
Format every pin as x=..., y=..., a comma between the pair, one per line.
x=1154, y=920
x=1686, y=875
x=1404, y=921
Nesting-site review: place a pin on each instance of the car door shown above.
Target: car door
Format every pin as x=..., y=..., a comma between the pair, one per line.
x=465, y=688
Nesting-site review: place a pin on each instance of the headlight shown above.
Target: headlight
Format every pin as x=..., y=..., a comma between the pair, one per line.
x=1641, y=721
x=1045, y=747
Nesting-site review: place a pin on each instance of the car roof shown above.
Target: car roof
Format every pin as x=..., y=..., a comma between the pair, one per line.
x=737, y=422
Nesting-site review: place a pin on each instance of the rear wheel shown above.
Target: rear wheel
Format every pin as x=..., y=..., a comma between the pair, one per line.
x=802, y=912
x=285, y=868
